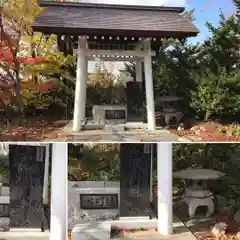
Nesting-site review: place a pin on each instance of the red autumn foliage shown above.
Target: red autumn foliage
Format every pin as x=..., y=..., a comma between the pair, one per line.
x=6, y=55
x=44, y=87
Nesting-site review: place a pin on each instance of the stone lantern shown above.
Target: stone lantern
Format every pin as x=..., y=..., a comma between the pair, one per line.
x=196, y=192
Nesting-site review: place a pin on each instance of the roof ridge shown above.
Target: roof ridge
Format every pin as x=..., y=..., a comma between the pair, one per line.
x=45, y=3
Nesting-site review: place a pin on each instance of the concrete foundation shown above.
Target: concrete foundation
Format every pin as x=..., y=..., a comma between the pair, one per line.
x=133, y=132
x=180, y=231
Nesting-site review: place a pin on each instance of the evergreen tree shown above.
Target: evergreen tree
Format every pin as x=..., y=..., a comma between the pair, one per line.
x=221, y=50
x=217, y=79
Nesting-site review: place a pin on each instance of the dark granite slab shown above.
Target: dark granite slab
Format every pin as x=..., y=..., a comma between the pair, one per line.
x=4, y=210
x=135, y=98
x=135, y=166
x=26, y=186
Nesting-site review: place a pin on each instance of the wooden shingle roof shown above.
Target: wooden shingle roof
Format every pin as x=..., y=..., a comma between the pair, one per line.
x=114, y=20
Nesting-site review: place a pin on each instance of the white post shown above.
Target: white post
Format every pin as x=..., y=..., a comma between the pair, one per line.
x=46, y=174
x=164, y=177
x=139, y=71
x=59, y=203
x=149, y=86
x=81, y=85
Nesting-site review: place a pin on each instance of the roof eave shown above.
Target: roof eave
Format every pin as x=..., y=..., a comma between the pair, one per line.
x=114, y=32
x=47, y=3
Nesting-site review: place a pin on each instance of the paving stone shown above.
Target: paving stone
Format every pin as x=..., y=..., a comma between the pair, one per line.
x=92, y=231
x=114, y=129
x=117, y=133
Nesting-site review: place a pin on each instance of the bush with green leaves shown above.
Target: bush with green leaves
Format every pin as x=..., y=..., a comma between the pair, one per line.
x=86, y=161
x=216, y=95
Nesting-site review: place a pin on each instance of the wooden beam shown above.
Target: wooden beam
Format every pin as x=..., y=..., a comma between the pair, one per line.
x=115, y=59
x=135, y=53
x=139, y=45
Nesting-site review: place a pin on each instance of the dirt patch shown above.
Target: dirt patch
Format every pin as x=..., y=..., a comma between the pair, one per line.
x=211, y=131
x=32, y=130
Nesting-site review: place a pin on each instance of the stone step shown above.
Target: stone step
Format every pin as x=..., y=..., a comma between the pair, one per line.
x=92, y=231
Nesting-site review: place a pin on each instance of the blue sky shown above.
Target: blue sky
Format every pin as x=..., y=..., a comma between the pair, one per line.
x=205, y=10
x=208, y=11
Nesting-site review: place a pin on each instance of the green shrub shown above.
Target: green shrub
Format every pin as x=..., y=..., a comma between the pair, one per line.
x=217, y=94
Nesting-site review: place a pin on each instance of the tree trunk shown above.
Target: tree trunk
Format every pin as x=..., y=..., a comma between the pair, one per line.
x=18, y=94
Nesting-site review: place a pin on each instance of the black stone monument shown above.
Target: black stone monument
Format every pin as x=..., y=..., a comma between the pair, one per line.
x=135, y=99
x=135, y=166
x=26, y=173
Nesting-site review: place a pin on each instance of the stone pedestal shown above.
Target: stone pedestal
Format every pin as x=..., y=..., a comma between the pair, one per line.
x=114, y=129
x=193, y=203
x=195, y=198
x=92, y=231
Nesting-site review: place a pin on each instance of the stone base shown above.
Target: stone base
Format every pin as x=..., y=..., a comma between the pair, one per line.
x=90, y=124
x=172, y=119
x=117, y=224
x=194, y=203
x=112, y=129
x=92, y=231
x=134, y=132
x=181, y=232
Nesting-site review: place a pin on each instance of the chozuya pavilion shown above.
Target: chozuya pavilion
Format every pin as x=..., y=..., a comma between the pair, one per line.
x=34, y=204
x=113, y=33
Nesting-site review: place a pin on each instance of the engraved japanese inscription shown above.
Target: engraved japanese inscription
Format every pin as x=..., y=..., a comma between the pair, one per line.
x=115, y=114
x=99, y=201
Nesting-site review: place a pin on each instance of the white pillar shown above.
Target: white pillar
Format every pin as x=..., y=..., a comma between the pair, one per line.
x=46, y=174
x=59, y=203
x=81, y=85
x=149, y=86
x=139, y=71
x=164, y=177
